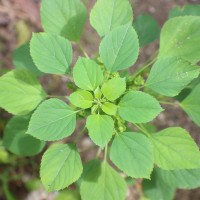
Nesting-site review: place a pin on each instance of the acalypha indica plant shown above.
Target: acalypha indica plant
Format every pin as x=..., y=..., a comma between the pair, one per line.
x=118, y=105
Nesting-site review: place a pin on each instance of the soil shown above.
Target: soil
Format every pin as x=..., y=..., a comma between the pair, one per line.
x=18, y=18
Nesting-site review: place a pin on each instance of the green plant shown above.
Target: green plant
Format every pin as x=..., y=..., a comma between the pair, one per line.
x=117, y=105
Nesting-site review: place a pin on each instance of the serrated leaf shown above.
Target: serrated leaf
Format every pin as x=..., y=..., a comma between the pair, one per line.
x=169, y=76
x=81, y=99
x=133, y=154
x=114, y=88
x=52, y=120
x=103, y=183
x=22, y=59
x=100, y=129
x=64, y=17
x=180, y=37
x=87, y=74
x=147, y=29
x=190, y=9
x=60, y=166
x=175, y=149
x=183, y=179
x=20, y=92
x=119, y=49
x=138, y=107
x=105, y=14
x=17, y=141
x=51, y=53
x=157, y=189
x=109, y=108
x=191, y=104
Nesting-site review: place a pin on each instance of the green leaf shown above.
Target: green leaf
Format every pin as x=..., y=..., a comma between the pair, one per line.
x=64, y=17
x=15, y=139
x=191, y=104
x=183, y=179
x=51, y=53
x=180, y=37
x=190, y=9
x=103, y=183
x=157, y=189
x=53, y=120
x=60, y=166
x=68, y=195
x=169, y=76
x=100, y=129
x=105, y=14
x=138, y=107
x=109, y=108
x=119, y=49
x=22, y=59
x=147, y=29
x=175, y=149
x=114, y=88
x=87, y=74
x=81, y=99
x=20, y=92
x=133, y=154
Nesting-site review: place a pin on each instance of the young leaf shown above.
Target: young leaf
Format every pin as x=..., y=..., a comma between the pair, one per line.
x=64, y=17
x=190, y=9
x=60, y=166
x=138, y=107
x=147, y=29
x=103, y=183
x=81, y=99
x=105, y=14
x=156, y=188
x=169, y=76
x=191, y=104
x=20, y=92
x=22, y=59
x=180, y=37
x=183, y=179
x=114, y=88
x=87, y=74
x=19, y=143
x=133, y=154
x=175, y=149
x=53, y=120
x=119, y=49
x=109, y=108
x=100, y=129
x=51, y=53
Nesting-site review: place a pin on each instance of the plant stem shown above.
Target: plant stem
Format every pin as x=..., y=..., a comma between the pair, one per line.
x=81, y=133
x=143, y=68
x=98, y=152
x=105, y=153
x=55, y=96
x=143, y=130
x=168, y=103
x=148, y=63
x=82, y=50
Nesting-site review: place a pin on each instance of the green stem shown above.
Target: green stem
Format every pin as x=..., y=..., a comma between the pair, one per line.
x=143, y=130
x=98, y=152
x=55, y=96
x=168, y=103
x=79, y=136
x=105, y=154
x=82, y=50
x=139, y=71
